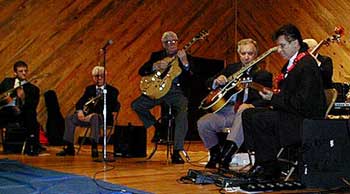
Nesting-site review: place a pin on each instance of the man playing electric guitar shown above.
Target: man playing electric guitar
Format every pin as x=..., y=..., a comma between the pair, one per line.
x=230, y=115
x=168, y=59
x=19, y=105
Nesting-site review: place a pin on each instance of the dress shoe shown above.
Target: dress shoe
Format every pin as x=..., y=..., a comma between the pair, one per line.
x=176, y=158
x=66, y=152
x=227, y=152
x=214, y=157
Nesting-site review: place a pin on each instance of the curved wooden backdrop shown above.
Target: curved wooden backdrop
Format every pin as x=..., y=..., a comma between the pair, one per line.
x=64, y=37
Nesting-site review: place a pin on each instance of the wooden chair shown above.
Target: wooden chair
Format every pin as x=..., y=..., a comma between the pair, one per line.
x=110, y=131
x=331, y=95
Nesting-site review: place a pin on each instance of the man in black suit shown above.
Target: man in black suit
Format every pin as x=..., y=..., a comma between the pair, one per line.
x=175, y=97
x=325, y=63
x=229, y=116
x=89, y=112
x=20, y=105
x=301, y=96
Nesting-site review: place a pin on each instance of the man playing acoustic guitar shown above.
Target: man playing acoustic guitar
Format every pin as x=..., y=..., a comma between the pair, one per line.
x=19, y=100
x=229, y=116
x=168, y=60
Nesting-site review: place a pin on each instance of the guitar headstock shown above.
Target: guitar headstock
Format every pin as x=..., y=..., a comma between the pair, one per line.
x=339, y=31
x=201, y=35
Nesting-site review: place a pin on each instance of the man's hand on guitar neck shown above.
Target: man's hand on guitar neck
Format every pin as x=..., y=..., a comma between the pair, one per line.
x=183, y=57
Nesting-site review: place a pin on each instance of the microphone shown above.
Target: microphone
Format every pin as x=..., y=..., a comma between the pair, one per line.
x=109, y=42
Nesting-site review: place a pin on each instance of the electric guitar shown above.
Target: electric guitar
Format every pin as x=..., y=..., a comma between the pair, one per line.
x=219, y=97
x=7, y=100
x=159, y=83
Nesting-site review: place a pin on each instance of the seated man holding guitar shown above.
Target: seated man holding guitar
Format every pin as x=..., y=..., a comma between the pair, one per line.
x=300, y=95
x=229, y=116
x=172, y=63
x=89, y=110
x=19, y=100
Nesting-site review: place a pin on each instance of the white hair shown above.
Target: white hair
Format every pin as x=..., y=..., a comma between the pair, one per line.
x=168, y=34
x=97, y=70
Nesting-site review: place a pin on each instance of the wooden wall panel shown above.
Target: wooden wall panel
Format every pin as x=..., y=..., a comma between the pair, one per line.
x=63, y=37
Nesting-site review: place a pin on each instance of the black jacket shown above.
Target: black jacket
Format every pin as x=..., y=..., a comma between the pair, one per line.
x=112, y=101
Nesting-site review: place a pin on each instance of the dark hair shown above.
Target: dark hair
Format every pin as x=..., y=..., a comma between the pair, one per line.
x=291, y=32
x=19, y=64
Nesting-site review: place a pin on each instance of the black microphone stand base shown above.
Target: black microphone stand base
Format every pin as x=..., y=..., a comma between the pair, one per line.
x=109, y=157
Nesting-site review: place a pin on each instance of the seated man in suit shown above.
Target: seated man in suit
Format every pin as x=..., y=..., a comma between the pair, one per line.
x=20, y=105
x=89, y=112
x=230, y=115
x=301, y=95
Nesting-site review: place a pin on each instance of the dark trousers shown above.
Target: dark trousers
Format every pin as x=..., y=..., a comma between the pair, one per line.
x=27, y=119
x=266, y=131
x=72, y=122
x=174, y=98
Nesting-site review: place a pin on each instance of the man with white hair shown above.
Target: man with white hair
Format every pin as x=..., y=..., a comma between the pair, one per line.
x=324, y=62
x=90, y=114
x=175, y=97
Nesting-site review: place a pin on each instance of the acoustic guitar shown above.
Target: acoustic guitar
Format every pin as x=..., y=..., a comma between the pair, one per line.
x=157, y=84
x=219, y=97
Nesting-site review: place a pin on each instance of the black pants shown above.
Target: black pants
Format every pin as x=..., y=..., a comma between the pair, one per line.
x=266, y=131
x=27, y=119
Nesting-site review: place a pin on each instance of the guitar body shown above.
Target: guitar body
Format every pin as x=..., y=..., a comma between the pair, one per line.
x=218, y=98
x=159, y=83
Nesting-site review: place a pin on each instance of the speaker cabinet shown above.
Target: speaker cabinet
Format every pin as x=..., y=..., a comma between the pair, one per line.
x=130, y=141
x=325, y=153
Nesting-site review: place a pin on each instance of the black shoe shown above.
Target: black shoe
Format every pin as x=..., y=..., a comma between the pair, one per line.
x=227, y=152
x=66, y=152
x=214, y=157
x=176, y=158
x=31, y=148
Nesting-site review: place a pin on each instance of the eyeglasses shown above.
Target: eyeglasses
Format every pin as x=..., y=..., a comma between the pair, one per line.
x=170, y=41
x=99, y=76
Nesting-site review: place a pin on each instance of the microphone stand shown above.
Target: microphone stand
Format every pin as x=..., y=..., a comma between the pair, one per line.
x=104, y=152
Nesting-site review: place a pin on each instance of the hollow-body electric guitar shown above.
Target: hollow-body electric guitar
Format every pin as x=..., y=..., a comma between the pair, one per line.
x=219, y=97
x=159, y=83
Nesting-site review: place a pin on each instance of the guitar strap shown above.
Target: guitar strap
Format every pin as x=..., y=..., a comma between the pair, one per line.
x=282, y=76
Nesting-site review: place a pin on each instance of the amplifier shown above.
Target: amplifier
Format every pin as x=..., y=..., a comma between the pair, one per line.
x=130, y=141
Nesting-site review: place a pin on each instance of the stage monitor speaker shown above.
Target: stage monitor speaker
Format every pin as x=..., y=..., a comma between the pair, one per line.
x=325, y=153
x=130, y=141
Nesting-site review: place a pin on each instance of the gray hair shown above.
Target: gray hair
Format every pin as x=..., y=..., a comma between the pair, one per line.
x=168, y=34
x=245, y=42
x=97, y=70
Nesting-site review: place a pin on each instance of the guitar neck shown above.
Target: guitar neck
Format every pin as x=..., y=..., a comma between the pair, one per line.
x=251, y=64
x=258, y=87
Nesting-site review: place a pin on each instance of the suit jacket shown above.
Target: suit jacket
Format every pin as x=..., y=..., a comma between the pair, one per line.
x=256, y=74
x=112, y=102
x=326, y=70
x=147, y=68
x=302, y=91
x=32, y=94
